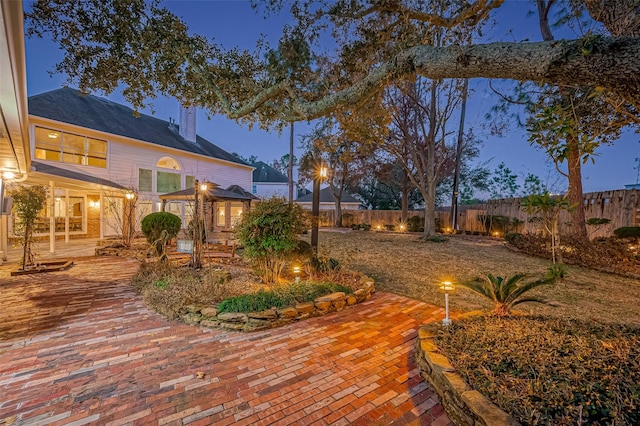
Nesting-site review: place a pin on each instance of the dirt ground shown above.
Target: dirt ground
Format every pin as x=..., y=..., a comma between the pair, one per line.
x=404, y=264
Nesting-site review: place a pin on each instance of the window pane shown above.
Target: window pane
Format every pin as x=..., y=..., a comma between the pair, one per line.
x=144, y=180
x=189, y=182
x=168, y=163
x=168, y=182
x=70, y=148
x=73, y=148
x=76, y=206
x=236, y=213
x=48, y=144
x=96, y=153
x=188, y=212
x=76, y=213
x=220, y=214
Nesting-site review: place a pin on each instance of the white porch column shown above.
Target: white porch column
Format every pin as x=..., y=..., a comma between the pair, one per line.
x=52, y=217
x=3, y=226
x=4, y=236
x=66, y=216
x=101, y=215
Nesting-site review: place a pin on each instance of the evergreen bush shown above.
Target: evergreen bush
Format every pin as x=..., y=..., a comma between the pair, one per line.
x=153, y=226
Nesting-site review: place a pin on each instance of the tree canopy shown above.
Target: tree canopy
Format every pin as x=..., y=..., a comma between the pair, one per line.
x=147, y=50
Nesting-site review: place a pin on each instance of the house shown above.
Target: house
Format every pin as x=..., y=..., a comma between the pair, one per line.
x=96, y=157
x=15, y=158
x=347, y=202
x=269, y=182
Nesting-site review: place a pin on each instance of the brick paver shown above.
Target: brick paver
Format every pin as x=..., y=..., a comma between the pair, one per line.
x=79, y=347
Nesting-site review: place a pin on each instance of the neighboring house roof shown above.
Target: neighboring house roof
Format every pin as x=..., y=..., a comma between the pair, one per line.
x=264, y=173
x=326, y=197
x=71, y=106
x=70, y=174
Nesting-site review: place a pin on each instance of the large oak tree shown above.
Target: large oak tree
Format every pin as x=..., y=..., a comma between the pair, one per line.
x=147, y=50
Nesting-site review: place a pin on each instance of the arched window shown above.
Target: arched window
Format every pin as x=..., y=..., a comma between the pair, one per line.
x=168, y=163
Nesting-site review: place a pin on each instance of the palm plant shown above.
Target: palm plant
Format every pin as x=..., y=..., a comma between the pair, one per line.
x=506, y=293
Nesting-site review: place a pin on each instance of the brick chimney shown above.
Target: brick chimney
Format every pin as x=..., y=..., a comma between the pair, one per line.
x=188, y=123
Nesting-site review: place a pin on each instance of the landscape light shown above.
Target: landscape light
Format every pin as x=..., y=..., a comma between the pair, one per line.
x=297, y=269
x=446, y=287
x=130, y=195
x=203, y=187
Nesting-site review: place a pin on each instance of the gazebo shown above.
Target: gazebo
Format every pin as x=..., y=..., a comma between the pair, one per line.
x=220, y=206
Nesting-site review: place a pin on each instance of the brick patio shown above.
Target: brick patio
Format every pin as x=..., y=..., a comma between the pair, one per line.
x=79, y=347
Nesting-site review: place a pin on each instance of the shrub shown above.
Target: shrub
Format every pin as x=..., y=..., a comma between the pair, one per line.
x=512, y=237
x=506, y=293
x=436, y=239
x=557, y=271
x=627, y=232
x=268, y=232
x=325, y=264
x=281, y=297
x=613, y=254
x=302, y=251
x=549, y=371
x=595, y=221
x=153, y=226
x=168, y=289
x=365, y=227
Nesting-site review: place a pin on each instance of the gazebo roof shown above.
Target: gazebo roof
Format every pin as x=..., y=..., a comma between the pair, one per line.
x=213, y=193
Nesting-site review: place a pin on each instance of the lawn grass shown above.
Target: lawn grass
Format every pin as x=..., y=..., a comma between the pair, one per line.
x=404, y=264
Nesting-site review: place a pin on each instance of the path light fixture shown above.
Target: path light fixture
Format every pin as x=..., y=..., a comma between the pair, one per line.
x=297, y=269
x=320, y=175
x=446, y=287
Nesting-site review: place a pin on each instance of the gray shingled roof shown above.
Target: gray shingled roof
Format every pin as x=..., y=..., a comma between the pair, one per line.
x=326, y=197
x=70, y=106
x=70, y=174
x=265, y=173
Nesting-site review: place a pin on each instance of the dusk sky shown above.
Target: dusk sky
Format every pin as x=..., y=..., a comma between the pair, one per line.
x=234, y=23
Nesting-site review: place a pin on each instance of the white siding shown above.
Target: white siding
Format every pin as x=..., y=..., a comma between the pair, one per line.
x=267, y=190
x=126, y=156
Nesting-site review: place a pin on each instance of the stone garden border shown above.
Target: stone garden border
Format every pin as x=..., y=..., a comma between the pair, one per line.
x=208, y=316
x=465, y=406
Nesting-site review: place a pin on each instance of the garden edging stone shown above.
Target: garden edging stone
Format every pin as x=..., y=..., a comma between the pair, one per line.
x=208, y=316
x=465, y=406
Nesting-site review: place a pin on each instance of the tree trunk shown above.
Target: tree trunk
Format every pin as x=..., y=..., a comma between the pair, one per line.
x=578, y=221
x=405, y=197
x=459, y=146
x=26, y=250
x=290, y=168
x=576, y=199
x=429, y=213
x=338, y=221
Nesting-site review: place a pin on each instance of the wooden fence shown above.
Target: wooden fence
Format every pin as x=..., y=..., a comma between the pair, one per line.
x=621, y=207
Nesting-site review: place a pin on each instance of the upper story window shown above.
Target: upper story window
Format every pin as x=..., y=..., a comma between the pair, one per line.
x=70, y=148
x=168, y=181
x=168, y=163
